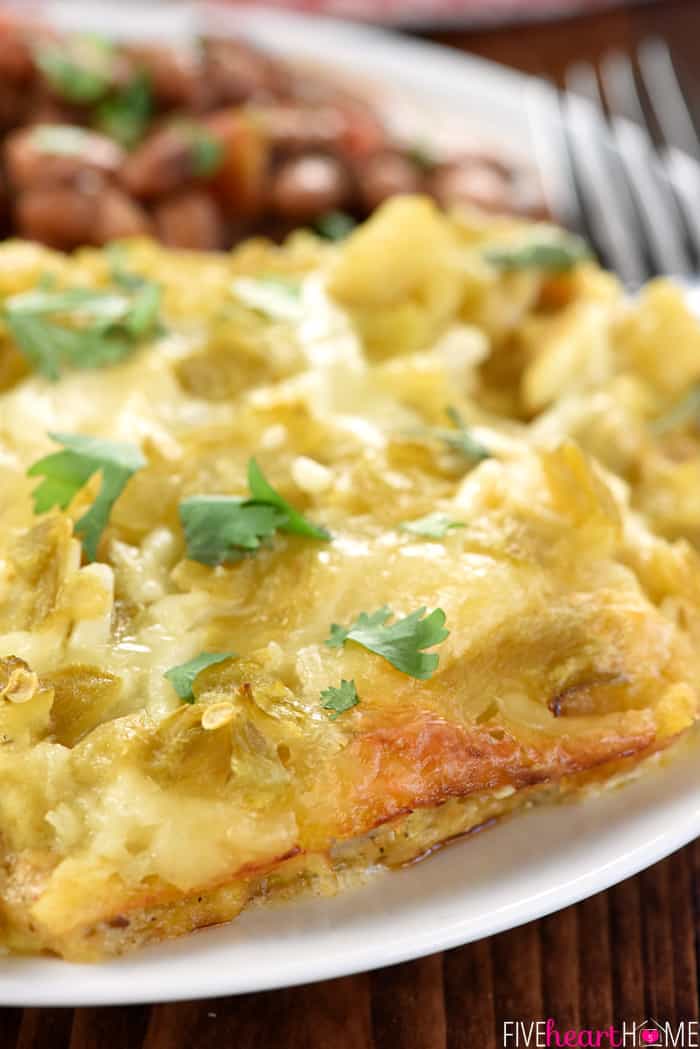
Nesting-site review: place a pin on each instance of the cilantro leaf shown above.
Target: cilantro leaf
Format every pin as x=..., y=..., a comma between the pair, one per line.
x=81, y=327
x=40, y=345
x=118, y=258
x=275, y=297
x=207, y=154
x=339, y=700
x=79, y=69
x=47, y=345
x=66, y=472
x=334, y=225
x=182, y=677
x=142, y=316
x=458, y=440
x=434, y=526
x=400, y=643
x=294, y=522
x=221, y=528
x=462, y=441
x=91, y=302
x=125, y=114
x=205, y=150
x=555, y=252
x=365, y=620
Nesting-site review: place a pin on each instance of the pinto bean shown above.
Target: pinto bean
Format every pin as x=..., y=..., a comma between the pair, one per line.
x=29, y=101
x=119, y=216
x=298, y=128
x=309, y=185
x=385, y=175
x=236, y=72
x=190, y=219
x=44, y=108
x=14, y=106
x=61, y=216
x=16, y=56
x=42, y=155
x=161, y=164
x=349, y=132
x=175, y=73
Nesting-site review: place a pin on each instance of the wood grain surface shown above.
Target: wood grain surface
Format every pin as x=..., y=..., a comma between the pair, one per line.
x=624, y=955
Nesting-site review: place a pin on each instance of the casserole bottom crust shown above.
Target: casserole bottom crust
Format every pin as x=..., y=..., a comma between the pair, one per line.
x=123, y=919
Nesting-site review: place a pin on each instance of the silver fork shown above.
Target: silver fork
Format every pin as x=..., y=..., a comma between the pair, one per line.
x=636, y=196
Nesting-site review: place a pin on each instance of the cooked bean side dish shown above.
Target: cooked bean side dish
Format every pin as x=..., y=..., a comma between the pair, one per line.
x=202, y=145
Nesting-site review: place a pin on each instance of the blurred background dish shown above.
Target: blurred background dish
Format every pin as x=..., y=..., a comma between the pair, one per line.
x=206, y=138
x=204, y=123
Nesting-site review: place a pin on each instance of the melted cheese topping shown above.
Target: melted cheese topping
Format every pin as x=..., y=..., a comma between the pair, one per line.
x=573, y=629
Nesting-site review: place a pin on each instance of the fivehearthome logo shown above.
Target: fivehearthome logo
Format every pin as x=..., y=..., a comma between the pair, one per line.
x=631, y=1034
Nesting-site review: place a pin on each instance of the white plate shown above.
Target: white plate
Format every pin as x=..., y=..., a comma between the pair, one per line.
x=529, y=866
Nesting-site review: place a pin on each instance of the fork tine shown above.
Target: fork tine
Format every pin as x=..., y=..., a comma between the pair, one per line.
x=684, y=174
x=654, y=197
x=612, y=217
x=619, y=85
x=546, y=121
x=681, y=151
x=666, y=96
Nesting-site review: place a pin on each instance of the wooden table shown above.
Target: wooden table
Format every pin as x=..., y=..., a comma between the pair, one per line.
x=626, y=954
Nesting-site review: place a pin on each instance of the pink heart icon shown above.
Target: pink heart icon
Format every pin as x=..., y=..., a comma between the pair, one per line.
x=650, y=1036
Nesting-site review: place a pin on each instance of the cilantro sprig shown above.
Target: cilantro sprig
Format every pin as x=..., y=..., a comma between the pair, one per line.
x=554, y=252
x=125, y=114
x=221, y=528
x=401, y=643
x=341, y=699
x=334, y=225
x=460, y=439
x=79, y=69
x=82, y=327
x=66, y=472
x=432, y=526
x=206, y=151
x=182, y=677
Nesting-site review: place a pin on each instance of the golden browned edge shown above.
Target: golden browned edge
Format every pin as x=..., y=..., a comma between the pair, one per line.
x=160, y=912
